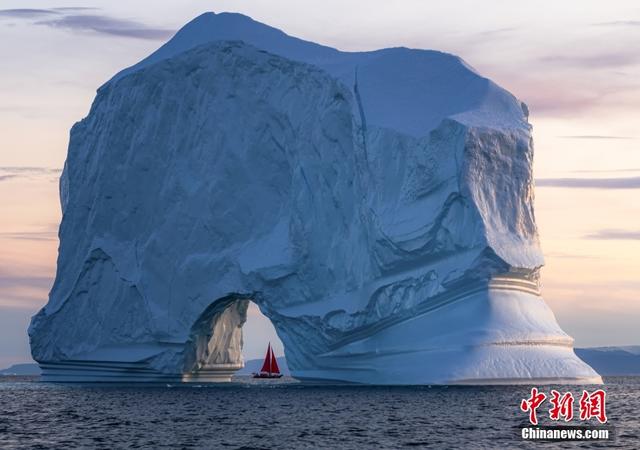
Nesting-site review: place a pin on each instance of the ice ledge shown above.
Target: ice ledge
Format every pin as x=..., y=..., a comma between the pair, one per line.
x=77, y=371
x=531, y=381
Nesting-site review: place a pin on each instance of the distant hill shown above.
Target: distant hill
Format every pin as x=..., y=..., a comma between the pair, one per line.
x=612, y=360
x=254, y=365
x=22, y=369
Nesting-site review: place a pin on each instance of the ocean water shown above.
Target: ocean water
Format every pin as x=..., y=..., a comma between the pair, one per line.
x=285, y=414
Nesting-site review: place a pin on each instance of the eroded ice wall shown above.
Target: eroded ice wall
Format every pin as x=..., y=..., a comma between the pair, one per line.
x=377, y=207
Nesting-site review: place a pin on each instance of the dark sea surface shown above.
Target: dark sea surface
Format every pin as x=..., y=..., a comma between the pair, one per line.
x=285, y=414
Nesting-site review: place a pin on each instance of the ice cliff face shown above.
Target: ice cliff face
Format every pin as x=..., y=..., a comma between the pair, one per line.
x=376, y=206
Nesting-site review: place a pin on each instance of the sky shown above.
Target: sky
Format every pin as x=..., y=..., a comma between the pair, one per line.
x=576, y=64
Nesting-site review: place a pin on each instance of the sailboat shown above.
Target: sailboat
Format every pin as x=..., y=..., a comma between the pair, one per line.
x=270, y=367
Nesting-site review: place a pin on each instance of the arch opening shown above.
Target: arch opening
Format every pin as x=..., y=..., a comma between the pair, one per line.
x=216, y=350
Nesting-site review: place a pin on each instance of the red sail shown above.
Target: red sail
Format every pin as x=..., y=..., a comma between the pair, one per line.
x=274, y=364
x=266, y=367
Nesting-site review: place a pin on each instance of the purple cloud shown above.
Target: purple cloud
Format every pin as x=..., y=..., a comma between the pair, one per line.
x=619, y=23
x=77, y=19
x=12, y=281
x=609, y=59
x=596, y=137
x=606, y=170
x=26, y=13
x=31, y=235
x=76, y=8
x=106, y=25
x=590, y=183
x=613, y=234
x=9, y=172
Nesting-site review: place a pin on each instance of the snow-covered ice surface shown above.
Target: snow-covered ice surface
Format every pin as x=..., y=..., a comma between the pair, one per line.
x=376, y=206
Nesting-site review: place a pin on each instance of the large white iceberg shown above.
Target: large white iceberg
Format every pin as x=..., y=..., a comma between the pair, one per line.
x=376, y=206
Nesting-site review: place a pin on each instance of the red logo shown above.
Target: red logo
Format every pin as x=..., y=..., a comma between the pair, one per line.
x=532, y=403
x=562, y=406
x=592, y=405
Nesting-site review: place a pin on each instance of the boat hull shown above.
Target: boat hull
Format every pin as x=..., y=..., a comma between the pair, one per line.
x=267, y=375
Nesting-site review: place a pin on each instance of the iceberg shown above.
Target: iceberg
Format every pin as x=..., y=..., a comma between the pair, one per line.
x=376, y=206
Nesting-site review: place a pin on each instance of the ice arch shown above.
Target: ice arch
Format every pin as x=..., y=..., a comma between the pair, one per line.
x=214, y=350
